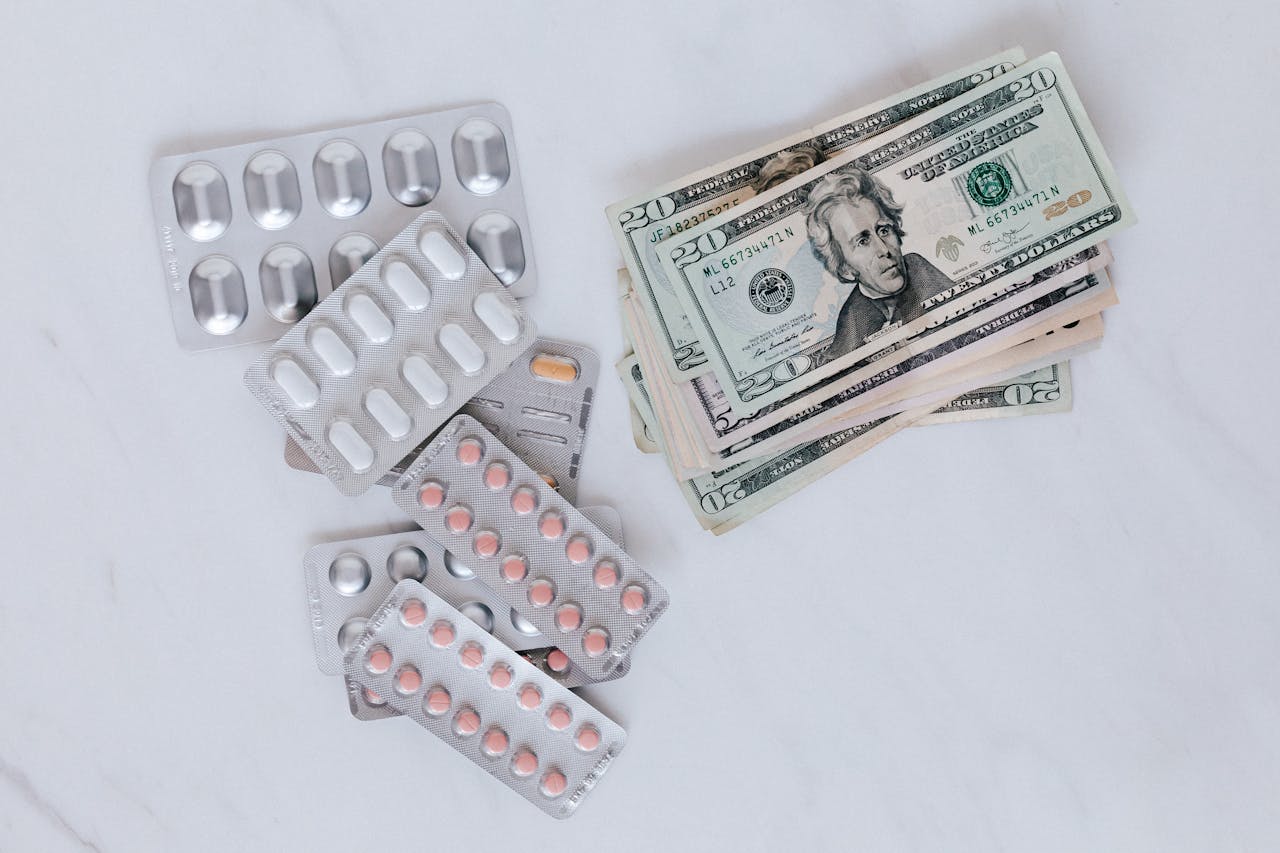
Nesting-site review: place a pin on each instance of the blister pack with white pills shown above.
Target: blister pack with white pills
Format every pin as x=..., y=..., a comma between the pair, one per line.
x=432, y=664
x=386, y=358
x=548, y=561
x=252, y=236
x=539, y=407
x=346, y=580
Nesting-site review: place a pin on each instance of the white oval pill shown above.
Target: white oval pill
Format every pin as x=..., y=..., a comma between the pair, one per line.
x=387, y=412
x=462, y=348
x=351, y=445
x=296, y=382
x=368, y=317
x=332, y=350
x=442, y=253
x=406, y=285
x=422, y=377
x=497, y=316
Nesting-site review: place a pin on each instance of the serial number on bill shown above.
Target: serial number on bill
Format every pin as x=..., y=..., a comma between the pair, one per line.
x=1025, y=202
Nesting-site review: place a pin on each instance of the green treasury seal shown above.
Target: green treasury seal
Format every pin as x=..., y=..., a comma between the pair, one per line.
x=989, y=184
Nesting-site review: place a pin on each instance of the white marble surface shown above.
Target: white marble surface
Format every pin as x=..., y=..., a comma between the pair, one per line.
x=1053, y=634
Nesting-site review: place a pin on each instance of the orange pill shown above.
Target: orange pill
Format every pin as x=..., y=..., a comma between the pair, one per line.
x=469, y=451
x=486, y=543
x=494, y=742
x=568, y=617
x=634, y=599
x=542, y=592
x=605, y=574
x=553, y=368
x=408, y=680
x=529, y=697
x=524, y=500
x=550, y=481
x=442, y=634
x=524, y=762
x=497, y=476
x=458, y=519
x=514, y=568
x=557, y=661
x=500, y=676
x=437, y=702
x=578, y=549
x=466, y=723
x=413, y=613
x=551, y=525
x=587, y=738
x=559, y=717
x=431, y=495
x=471, y=655
x=378, y=660
x=595, y=642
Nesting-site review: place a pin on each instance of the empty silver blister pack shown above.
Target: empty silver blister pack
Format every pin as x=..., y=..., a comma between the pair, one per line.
x=346, y=580
x=548, y=561
x=386, y=358
x=439, y=668
x=252, y=236
x=539, y=407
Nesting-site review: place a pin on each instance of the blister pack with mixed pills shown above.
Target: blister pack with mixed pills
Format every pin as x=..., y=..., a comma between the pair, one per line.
x=252, y=236
x=346, y=580
x=385, y=359
x=549, y=562
x=539, y=407
x=432, y=664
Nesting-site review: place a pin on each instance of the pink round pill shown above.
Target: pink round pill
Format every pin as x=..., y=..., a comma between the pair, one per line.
x=588, y=738
x=578, y=550
x=379, y=660
x=413, y=613
x=605, y=574
x=553, y=783
x=469, y=451
x=495, y=742
x=595, y=642
x=557, y=660
x=559, y=717
x=486, y=543
x=514, y=568
x=500, y=676
x=442, y=634
x=524, y=500
x=568, y=617
x=437, y=702
x=431, y=495
x=466, y=722
x=458, y=519
x=551, y=525
x=471, y=655
x=497, y=476
x=529, y=697
x=634, y=599
x=524, y=762
x=408, y=680
x=542, y=592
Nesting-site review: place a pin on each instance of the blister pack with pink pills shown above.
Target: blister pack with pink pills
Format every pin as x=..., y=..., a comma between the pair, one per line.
x=432, y=664
x=539, y=407
x=346, y=580
x=252, y=236
x=385, y=359
x=549, y=562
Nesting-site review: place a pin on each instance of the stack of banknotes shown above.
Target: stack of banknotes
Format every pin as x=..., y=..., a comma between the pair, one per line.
x=933, y=257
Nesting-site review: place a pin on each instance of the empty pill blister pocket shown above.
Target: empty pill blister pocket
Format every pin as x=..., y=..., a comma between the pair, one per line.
x=549, y=562
x=379, y=364
x=540, y=407
x=252, y=236
x=485, y=701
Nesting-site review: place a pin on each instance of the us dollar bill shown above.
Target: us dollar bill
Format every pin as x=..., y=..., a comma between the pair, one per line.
x=866, y=249
x=641, y=222
x=1037, y=392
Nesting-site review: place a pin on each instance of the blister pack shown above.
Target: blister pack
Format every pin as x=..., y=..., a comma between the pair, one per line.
x=439, y=668
x=547, y=561
x=252, y=236
x=539, y=407
x=346, y=580
x=381, y=362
